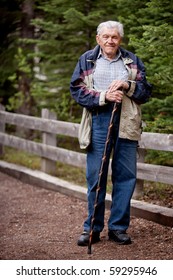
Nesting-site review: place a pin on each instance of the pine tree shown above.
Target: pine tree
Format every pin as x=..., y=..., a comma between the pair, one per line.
x=150, y=30
x=156, y=46
x=158, y=41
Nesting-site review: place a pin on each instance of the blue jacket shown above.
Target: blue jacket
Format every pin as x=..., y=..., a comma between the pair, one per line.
x=82, y=90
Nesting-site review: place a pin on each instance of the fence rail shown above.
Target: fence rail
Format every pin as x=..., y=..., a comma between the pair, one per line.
x=50, y=153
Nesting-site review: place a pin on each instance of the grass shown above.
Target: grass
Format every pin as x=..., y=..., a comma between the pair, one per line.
x=63, y=171
x=22, y=158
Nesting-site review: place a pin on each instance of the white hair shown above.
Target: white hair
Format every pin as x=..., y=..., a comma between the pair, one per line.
x=111, y=24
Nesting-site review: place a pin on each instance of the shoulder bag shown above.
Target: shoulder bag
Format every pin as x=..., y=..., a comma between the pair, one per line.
x=84, y=133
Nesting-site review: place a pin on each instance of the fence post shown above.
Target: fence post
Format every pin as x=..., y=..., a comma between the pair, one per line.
x=47, y=165
x=139, y=188
x=2, y=129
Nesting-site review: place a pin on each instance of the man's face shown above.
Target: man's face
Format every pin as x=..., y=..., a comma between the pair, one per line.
x=109, y=41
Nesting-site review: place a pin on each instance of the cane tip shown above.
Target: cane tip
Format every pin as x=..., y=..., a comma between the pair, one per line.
x=89, y=251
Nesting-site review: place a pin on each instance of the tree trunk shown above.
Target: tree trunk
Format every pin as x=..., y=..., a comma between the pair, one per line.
x=24, y=82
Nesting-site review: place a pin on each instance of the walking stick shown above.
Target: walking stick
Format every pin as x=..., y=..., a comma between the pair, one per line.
x=100, y=176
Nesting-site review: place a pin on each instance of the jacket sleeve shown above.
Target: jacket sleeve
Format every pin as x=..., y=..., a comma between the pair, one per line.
x=140, y=90
x=81, y=85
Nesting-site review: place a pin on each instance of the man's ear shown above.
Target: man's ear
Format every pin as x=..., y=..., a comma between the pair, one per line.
x=97, y=39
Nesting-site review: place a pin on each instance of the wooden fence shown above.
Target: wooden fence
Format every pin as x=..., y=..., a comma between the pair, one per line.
x=50, y=153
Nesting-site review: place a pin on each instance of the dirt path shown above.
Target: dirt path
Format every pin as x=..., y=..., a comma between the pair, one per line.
x=37, y=224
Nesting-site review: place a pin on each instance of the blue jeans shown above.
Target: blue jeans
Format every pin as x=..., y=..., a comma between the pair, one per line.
x=123, y=174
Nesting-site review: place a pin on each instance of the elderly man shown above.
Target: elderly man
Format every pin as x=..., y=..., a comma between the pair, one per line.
x=103, y=76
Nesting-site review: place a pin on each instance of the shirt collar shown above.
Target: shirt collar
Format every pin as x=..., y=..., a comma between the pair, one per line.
x=115, y=59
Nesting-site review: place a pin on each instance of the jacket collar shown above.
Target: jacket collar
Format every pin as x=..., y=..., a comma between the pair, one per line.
x=94, y=54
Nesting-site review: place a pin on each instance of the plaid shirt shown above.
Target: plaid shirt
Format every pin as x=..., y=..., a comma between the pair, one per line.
x=106, y=71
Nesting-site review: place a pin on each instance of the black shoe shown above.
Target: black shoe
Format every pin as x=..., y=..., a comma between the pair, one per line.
x=119, y=236
x=84, y=238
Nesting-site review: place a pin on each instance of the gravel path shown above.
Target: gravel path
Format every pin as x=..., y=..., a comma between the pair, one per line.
x=38, y=224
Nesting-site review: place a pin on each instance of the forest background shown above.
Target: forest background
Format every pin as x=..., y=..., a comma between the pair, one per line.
x=41, y=41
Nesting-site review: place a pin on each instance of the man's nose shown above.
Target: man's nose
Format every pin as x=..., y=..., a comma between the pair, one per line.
x=110, y=40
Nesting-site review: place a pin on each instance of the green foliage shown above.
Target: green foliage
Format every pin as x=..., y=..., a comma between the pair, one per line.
x=158, y=114
x=150, y=32
x=158, y=41
x=22, y=66
x=159, y=157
